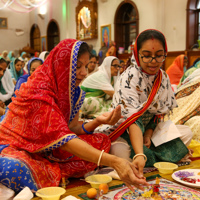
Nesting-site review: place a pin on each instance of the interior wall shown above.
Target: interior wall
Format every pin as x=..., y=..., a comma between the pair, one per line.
x=168, y=16
x=175, y=24
x=9, y=40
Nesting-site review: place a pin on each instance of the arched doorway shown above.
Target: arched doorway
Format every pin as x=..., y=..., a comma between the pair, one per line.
x=35, y=37
x=193, y=23
x=126, y=24
x=53, y=35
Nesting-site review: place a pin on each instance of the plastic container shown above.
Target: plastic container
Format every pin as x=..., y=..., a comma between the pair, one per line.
x=96, y=180
x=165, y=167
x=50, y=193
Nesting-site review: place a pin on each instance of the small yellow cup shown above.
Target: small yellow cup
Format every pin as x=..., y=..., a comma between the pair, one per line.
x=165, y=167
x=96, y=180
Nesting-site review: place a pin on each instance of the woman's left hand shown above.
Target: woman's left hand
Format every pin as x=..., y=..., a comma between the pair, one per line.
x=139, y=164
x=110, y=118
x=147, y=141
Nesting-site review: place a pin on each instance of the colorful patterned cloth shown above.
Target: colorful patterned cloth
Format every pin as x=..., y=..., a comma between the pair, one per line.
x=36, y=124
x=189, y=72
x=188, y=99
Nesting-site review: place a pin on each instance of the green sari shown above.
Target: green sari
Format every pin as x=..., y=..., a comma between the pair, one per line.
x=189, y=72
x=172, y=151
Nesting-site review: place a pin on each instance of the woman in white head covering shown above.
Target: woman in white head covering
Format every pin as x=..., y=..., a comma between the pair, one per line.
x=44, y=55
x=5, y=55
x=99, y=87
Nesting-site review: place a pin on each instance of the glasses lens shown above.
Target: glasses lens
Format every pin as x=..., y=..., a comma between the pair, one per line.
x=116, y=66
x=148, y=59
x=160, y=58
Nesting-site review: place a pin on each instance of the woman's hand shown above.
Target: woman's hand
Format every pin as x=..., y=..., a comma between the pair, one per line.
x=147, y=141
x=139, y=164
x=110, y=118
x=129, y=174
x=147, y=137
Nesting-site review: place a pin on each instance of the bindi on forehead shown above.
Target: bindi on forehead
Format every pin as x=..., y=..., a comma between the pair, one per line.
x=152, y=38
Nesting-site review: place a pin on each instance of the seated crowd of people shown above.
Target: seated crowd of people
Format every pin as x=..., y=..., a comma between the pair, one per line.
x=65, y=114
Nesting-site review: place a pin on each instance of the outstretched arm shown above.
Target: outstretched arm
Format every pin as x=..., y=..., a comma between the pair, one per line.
x=136, y=139
x=125, y=169
x=110, y=118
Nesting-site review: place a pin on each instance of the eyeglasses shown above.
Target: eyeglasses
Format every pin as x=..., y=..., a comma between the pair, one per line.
x=116, y=66
x=148, y=59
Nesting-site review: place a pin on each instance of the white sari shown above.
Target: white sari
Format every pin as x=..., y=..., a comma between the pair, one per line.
x=96, y=101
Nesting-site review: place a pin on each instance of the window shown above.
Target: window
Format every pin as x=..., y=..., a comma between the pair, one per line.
x=126, y=24
x=53, y=35
x=198, y=25
x=35, y=37
x=193, y=23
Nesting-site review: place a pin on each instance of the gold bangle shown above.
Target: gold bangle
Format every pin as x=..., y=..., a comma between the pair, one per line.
x=140, y=154
x=98, y=163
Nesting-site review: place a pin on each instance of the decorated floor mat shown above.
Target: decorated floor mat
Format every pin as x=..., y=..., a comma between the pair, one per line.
x=164, y=190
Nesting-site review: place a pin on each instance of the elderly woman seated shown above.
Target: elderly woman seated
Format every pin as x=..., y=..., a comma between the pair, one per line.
x=99, y=88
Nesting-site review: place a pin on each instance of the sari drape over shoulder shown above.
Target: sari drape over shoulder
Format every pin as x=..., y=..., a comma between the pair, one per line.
x=14, y=74
x=97, y=101
x=143, y=99
x=176, y=70
x=36, y=124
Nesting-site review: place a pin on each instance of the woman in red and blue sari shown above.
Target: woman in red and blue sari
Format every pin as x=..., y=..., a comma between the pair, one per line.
x=41, y=140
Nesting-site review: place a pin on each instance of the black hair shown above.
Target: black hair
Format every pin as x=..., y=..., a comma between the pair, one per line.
x=83, y=49
x=36, y=60
x=114, y=60
x=16, y=61
x=121, y=61
x=2, y=60
x=197, y=60
x=92, y=56
x=149, y=34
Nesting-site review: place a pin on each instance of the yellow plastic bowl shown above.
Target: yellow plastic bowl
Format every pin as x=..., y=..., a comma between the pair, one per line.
x=165, y=167
x=50, y=193
x=96, y=180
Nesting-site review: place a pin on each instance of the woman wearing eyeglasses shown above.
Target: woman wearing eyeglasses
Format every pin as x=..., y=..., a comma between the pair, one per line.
x=145, y=95
x=99, y=88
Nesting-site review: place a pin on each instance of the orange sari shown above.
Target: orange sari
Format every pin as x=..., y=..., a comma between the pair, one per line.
x=176, y=70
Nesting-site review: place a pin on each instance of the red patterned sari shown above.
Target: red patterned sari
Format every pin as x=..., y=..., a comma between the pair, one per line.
x=36, y=124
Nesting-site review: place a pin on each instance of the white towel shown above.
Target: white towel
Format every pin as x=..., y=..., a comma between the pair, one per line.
x=25, y=194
